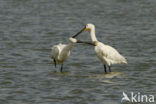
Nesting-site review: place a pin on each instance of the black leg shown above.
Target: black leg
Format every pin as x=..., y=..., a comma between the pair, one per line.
x=109, y=69
x=105, y=68
x=55, y=63
x=61, y=67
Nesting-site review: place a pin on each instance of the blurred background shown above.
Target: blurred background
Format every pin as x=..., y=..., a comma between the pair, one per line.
x=29, y=28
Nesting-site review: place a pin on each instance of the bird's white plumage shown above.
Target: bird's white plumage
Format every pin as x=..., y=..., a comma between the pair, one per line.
x=107, y=54
x=61, y=52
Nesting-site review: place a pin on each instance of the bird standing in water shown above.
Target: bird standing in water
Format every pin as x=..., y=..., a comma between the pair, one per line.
x=107, y=54
x=61, y=52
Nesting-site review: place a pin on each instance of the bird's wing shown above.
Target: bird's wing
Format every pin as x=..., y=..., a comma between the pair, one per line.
x=107, y=51
x=61, y=46
x=112, y=54
x=65, y=51
x=55, y=51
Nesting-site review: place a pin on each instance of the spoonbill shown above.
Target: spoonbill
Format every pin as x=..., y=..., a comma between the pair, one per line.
x=107, y=54
x=61, y=52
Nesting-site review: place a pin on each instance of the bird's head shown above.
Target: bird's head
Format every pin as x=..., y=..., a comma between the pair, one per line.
x=95, y=43
x=88, y=27
x=73, y=40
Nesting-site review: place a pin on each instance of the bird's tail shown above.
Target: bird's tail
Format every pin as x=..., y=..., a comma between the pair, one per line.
x=124, y=61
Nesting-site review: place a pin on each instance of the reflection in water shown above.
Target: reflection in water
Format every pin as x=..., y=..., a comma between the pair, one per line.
x=110, y=75
x=99, y=76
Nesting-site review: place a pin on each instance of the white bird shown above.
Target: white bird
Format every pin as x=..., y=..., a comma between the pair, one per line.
x=107, y=54
x=61, y=52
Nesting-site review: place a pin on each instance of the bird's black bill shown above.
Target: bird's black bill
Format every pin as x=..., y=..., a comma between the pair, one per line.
x=79, y=32
x=90, y=43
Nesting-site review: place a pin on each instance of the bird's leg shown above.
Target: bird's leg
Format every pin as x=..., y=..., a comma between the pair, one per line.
x=55, y=63
x=109, y=69
x=105, y=68
x=61, y=68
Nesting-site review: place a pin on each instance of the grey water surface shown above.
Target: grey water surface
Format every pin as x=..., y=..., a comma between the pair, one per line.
x=29, y=28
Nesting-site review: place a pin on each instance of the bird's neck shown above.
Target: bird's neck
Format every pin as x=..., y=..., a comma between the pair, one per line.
x=70, y=45
x=92, y=34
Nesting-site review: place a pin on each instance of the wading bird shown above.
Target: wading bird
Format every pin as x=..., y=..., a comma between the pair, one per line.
x=61, y=52
x=107, y=54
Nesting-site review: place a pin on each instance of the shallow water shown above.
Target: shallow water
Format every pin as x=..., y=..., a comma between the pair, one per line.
x=28, y=29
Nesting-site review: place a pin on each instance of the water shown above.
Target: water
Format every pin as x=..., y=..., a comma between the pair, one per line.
x=28, y=29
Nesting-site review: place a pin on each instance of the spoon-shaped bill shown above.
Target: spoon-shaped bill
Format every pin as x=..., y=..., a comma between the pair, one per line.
x=79, y=32
x=86, y=42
